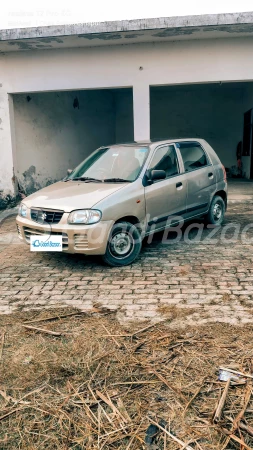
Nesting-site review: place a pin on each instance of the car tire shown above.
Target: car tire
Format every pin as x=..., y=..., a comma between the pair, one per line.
x=216, y=212
x=124, y=245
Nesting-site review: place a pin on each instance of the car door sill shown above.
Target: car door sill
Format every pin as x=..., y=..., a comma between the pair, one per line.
x=176, y=223
x=179, y=213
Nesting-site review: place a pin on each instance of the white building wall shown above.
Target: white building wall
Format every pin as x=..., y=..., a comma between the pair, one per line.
x=191, y=61
x=137, y=66
x=7, y=143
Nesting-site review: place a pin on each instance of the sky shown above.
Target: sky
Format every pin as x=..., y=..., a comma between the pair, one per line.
x=31, y=13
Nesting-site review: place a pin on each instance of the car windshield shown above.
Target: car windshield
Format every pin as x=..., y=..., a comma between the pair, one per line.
x=112, y=164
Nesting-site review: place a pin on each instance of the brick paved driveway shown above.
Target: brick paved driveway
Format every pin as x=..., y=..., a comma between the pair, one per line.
x=184, y=281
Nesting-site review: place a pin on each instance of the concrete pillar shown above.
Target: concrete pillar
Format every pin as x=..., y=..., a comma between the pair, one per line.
x=141, y=112
x=7, y=181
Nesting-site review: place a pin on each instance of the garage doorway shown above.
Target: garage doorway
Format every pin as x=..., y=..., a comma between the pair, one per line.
x=214, y=112
x=55, y=131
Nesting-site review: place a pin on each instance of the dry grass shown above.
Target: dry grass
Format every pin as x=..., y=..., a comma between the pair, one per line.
x=172, y=312
x=99, y=385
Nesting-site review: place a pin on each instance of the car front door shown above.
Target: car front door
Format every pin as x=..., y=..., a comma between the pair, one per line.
x=165, y=198
x=201, y=177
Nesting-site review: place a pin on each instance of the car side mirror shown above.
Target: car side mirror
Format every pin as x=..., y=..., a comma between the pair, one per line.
x=69, y=171
x=157, y=175
x=153, y=175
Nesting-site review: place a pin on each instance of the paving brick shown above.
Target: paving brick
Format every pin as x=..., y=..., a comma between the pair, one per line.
x=197, y=277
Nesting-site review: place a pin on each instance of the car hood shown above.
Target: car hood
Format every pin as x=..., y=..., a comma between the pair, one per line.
x=71, y=195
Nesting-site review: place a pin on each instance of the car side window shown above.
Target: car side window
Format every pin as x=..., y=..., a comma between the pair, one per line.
x=193, y=155
x=165, y=158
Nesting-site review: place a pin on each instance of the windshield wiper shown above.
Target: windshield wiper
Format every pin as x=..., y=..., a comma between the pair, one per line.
x=116, y=180
x=86, y=179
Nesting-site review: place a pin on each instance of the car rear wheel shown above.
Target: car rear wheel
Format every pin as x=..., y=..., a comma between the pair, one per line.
x=216, y=211
x=124, y=245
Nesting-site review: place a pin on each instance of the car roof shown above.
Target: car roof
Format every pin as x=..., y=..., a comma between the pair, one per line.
x=156, y=142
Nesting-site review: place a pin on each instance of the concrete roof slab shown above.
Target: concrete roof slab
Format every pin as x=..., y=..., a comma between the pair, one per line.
x=127, y=31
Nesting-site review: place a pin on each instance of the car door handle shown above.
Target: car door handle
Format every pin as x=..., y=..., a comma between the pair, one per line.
x=179, y=185
x=210, y=175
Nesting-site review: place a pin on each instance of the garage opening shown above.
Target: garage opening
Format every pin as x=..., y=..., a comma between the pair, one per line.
x=215, y=112
x=55, y=131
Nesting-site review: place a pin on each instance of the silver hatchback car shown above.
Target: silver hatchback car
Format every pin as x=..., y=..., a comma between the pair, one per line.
x=122, y=193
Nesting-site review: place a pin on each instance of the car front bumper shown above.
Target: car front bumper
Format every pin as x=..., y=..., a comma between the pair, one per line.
x=85, y=239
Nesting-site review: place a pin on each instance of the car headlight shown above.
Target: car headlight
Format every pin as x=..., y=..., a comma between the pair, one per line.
x=22, y=211
x=85, y=216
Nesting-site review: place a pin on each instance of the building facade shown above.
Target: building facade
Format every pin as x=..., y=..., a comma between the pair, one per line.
x=66, y=90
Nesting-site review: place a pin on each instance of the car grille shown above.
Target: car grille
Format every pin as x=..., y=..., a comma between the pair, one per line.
x=80, y=241
x=30, y=231
x=46, y=215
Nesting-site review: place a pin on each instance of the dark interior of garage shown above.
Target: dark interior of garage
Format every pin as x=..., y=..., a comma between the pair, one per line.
x=55, y=131
x=214, y=112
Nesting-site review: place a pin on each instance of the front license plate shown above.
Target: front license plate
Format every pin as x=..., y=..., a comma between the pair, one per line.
x=46, y=243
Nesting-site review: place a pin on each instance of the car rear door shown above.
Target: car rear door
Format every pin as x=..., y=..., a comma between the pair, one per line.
x=201, y=177
x=165, y=199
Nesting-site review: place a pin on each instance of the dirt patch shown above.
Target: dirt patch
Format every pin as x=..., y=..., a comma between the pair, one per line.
x=99, y=385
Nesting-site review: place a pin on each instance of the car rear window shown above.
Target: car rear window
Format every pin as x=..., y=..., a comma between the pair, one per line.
x=193, y=155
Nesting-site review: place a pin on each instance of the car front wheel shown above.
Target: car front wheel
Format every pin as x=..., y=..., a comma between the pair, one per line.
x=216, y=211
x=124, y=244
